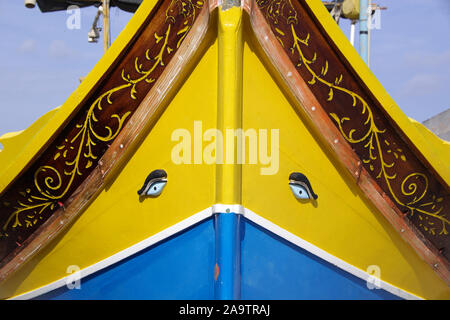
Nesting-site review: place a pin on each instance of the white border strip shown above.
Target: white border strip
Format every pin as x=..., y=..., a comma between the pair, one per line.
x=166, y=233
x=266, y=224
x=232, y=208
x=200, y=216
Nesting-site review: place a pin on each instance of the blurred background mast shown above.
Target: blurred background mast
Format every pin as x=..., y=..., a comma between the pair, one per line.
x=356, y=10
x=106, y=26
x=364, y=30
x=103, y=9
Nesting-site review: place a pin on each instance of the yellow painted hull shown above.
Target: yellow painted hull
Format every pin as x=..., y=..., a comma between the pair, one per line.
x=342, y=222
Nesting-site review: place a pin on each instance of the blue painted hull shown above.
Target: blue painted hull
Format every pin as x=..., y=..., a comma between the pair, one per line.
x=273, y=268
x=177, y=268
x=182, y=267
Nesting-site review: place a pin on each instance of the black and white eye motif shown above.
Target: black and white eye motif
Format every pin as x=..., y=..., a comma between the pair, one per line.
x=154, y=184
x=300, y=186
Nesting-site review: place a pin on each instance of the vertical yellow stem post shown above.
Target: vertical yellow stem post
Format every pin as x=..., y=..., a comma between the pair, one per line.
x=229, y=173
x=229, y=112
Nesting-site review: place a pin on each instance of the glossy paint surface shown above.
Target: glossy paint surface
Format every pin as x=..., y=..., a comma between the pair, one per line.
x=273, y=268
x=179, y=268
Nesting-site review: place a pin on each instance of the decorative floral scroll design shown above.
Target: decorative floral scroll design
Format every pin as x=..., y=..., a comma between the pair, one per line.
x=430, y=213
x=52, y=185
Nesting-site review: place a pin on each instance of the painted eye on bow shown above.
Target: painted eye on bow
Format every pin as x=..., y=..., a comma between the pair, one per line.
x=298, y=191
x=154, y=184
x=301, y=187
x=156, y=188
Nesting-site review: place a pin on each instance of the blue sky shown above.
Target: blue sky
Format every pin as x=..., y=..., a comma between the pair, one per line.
x=410, y=55
x=41, y=60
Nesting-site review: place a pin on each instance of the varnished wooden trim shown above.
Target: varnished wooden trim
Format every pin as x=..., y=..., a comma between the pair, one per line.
x=213, y=4
x=148, y=111
x=309, y=106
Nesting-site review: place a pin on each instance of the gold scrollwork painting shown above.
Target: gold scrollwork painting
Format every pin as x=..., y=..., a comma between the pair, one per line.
x=76, y=151
x=356, y=120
